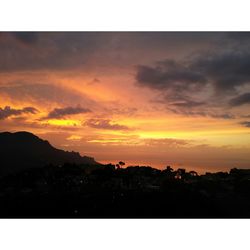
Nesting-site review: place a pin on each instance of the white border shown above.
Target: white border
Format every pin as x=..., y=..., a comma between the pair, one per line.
x=124, y=234
x=129, y=15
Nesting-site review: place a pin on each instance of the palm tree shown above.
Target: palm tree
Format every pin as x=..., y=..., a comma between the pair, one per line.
x=121, y=163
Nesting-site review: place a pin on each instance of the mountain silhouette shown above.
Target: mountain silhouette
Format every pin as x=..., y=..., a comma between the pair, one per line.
x=23, y=150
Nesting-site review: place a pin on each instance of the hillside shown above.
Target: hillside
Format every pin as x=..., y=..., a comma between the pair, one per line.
x=23, y=150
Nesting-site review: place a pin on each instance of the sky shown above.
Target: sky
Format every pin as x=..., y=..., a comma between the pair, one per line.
x=148, y=98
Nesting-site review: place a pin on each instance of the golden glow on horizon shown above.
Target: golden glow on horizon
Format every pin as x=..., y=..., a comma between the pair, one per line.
x=74, y=138
x=63, y=122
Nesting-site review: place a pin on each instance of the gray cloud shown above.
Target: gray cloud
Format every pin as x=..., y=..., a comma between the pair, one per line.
x=245, y=124
x=7, y=111
x=181, y=104
x=245, y=116
x=169, y=75
x=202, y=113
x=67, y=50
x=188, y=104
x=47, y=50
x=240, y=100
x=238, y=36
x=105, y=124
x=224, y=71
x=225, y=116
x=201, y=84
x=26, y=37
x=62, y=112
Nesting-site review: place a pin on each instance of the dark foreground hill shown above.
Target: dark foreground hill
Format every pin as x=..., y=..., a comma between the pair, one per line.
x=23, y=150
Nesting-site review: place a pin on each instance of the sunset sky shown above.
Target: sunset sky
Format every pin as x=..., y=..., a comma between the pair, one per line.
x=152, y=98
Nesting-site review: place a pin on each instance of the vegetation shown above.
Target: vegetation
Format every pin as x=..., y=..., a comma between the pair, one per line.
x=109, y=191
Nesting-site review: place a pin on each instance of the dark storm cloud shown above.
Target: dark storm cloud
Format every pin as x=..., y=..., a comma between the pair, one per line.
x=238, y=36
x=240, y=100
x=45, y=93
x=224, y=71
x=246, y=124
x=26, y=37
x=188, y=104
x=7, y=111
x=169, y=75
x=104, y=124
x=201, y=84
x=62, y=112
x=67, y=50
x=47, y=50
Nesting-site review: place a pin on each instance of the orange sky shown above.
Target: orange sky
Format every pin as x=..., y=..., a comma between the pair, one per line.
x=144, y=98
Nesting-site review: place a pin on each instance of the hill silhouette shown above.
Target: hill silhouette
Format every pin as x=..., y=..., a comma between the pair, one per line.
x=23, y=150
x=40, y=181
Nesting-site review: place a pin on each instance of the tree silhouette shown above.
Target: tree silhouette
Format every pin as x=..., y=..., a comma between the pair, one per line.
x=169, y=169
x=193, y=173
x=180, y=174
x=169, y=172
x=121, y=163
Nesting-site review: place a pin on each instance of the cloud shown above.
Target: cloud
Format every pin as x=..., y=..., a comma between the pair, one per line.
x=197, y=108
x=167, y=142
x=169, y=75
x=202, y=84
x=188, y=107
x=67, y=50
x=245, y=124
x=225, y=116
x=188, y=104
x=105, y=124
x=204, y=113
x=240, y=100
x=238, y=36
x=59, y=113
x=94, y=81
x=245, y=116
x=117, y=110
x=224, y=71
x=46, y=94
x=47, y=50
x=8, y=111
x=27, y=38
